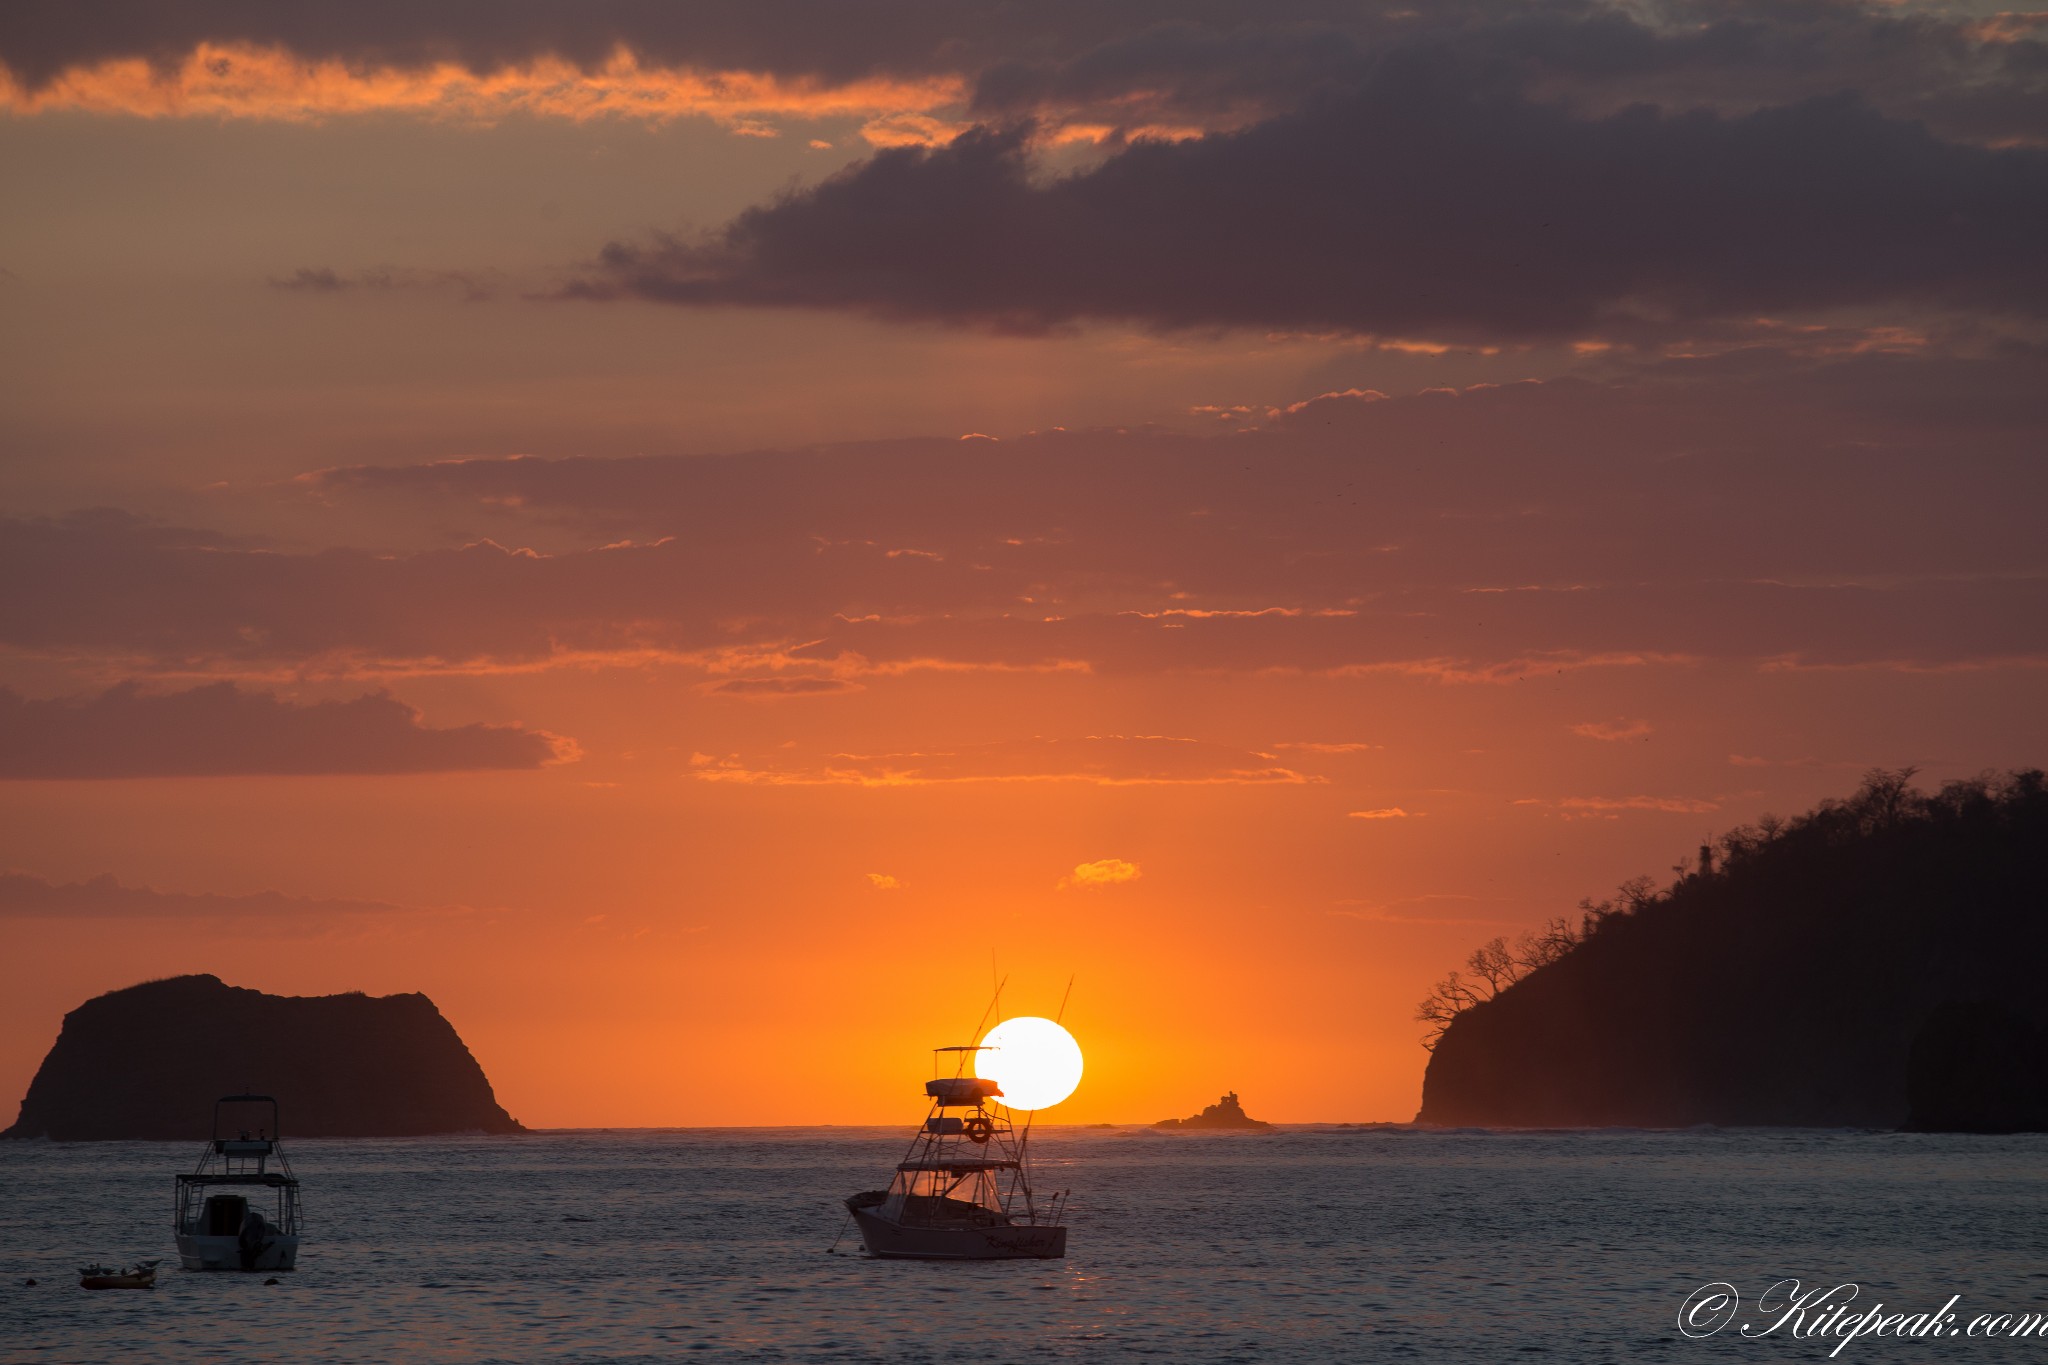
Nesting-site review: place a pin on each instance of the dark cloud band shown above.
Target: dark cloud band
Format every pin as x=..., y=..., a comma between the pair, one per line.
x=1426, y=204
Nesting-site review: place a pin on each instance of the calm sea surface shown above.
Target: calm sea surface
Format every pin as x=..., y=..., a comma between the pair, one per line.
x=1309, y=1243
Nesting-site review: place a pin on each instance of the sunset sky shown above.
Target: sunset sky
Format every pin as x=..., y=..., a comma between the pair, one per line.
x=683, y=531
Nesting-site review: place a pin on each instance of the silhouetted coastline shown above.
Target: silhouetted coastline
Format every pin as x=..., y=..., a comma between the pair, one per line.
x=1873, y=963
x=149, y=1061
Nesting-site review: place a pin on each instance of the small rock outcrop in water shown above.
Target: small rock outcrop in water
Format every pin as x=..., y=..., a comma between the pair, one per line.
x=149, y=1062
x=1874, y=963
x=1225, y=1113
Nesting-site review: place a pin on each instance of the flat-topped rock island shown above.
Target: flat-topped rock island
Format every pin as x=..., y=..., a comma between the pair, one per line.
x=149, y=1061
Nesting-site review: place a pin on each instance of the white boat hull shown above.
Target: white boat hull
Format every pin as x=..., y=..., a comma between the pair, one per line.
x=279, y=1252
x=1000, y=1242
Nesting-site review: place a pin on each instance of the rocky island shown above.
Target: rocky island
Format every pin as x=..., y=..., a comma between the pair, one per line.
x=1873, y=963
x=1225, y=1113
x=150, y=1060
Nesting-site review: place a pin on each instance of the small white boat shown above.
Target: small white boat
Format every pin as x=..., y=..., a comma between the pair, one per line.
x=963, y=1191
x=141, y=1275
x=235, y=1211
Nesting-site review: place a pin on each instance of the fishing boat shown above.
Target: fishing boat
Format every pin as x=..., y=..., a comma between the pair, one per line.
x=141, y=1275
x=963, y=1190
x=239, y=1209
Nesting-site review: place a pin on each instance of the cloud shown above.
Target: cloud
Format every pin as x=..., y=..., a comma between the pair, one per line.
x=241, y=80
x=220, y=730
x=1612, y=805
x=1612, y=729
x=23, y=896
x=1102, y=872
x=882, y=881
x=1100, y=760
x=313, y=279
x=473, y=286
x=1312, y=746
x=1382, y=813
x=772, y=687
x=1423, y=204
x=1752, y=505
x=824, y=41
x=1161, y=68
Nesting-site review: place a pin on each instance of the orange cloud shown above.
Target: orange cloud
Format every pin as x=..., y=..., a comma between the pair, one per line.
x=1383, y=813
x=773, y=687
x=1229, y=613
x=237, y=81
x=910, y=130
x=882, y=881
x=1312, y=746
x=1515, y=669
x=1612, y=729
x=1101, y=872
x=1670, y=805
x=1102, y=760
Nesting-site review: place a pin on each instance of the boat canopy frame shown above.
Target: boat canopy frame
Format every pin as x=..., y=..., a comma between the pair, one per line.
x=240, y=1166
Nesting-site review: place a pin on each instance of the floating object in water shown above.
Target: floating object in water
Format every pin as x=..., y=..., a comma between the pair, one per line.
x=219, y=1226
x=141, y=1275
x=963, y=1191
x=273, y=1280
x=28, y=1284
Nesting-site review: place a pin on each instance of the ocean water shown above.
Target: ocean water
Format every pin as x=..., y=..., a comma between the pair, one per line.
x=1307, y=1243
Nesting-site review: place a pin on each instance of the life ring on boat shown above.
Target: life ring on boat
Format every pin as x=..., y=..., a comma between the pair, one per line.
x=978, y=1129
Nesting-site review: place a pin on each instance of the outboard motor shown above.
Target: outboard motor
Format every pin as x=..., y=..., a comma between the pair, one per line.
x=249, y=1241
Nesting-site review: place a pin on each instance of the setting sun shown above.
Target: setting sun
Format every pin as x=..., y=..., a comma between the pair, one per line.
x=1035, y=1061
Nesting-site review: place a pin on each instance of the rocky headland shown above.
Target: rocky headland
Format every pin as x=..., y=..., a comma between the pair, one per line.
x=149, y=1062
x=1873, y=963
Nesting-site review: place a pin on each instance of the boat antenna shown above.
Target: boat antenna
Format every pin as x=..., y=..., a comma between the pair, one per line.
x=1033, y=1115
x=992, y=1006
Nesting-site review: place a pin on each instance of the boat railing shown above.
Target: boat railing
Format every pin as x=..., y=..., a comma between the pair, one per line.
x=195, y=1195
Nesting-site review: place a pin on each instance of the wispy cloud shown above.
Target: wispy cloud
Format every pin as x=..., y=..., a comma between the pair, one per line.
x=471, y=285
x=1675, y=805
x=770, y=688
x=1612, y=729
x=252, y=81
x=1615, y=805
x=1101, y=760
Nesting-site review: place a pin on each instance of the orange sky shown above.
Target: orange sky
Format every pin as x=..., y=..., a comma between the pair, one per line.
x=584, y=534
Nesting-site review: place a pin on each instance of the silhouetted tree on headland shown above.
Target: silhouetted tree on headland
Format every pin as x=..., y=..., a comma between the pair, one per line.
x=1494, y=966
x=1811, y=970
